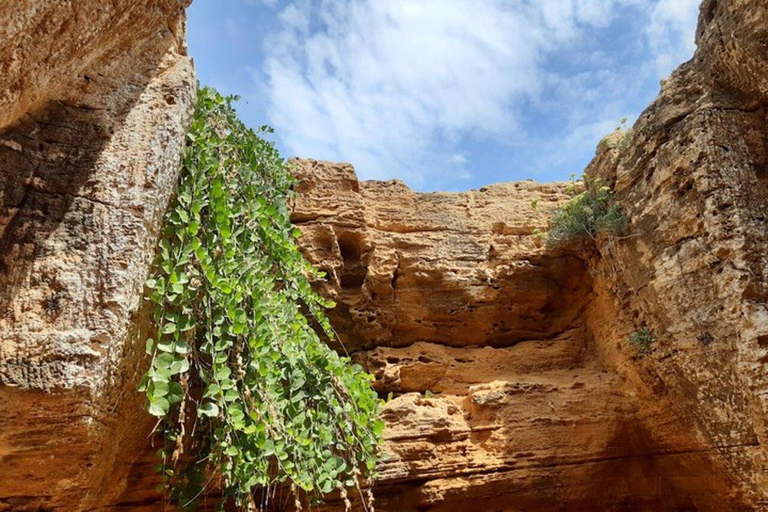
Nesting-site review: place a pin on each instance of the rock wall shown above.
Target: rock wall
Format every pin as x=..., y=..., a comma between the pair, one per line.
x=493, y=347
x=513, y=383
x=94, y=102
x=694, y=181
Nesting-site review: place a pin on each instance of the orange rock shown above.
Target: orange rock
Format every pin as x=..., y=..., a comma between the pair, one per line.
x=504, y=399
x=513, y=384
x=95, y=98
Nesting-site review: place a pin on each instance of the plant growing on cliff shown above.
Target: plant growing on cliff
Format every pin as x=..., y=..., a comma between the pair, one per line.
x=248, y=394
x=586, y=215
x=623, y=142
x=642, y=339
x=619, y=139
x=625, y=136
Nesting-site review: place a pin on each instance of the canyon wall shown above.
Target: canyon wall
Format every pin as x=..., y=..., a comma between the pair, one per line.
x=511, y=381
x=94, y=102
x=694, y=181
x=514, y=385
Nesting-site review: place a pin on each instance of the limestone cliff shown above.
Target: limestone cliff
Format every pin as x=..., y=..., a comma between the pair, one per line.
x=94, y=101
x=509, y=390
x=694, y=180
x=515, y=387
x=513, y=384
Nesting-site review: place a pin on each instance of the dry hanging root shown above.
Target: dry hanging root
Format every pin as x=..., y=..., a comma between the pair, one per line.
x=369, y=494
x=179, y=450
x=347, y=503
x=296, y=499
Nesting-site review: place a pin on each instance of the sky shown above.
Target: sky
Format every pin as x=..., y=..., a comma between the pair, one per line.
x=442, y=94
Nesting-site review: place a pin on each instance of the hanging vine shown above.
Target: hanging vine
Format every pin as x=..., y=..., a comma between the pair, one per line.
x=248, y=395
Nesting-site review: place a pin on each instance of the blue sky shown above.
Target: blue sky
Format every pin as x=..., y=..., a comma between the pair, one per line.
x=443, y=94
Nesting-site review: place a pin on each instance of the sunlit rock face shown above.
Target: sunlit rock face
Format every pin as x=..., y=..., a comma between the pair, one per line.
x=694, y=181
x=513, y=385
x=507, y=390
x=94, y=101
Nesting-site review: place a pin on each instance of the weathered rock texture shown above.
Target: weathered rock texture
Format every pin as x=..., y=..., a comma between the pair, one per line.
x=94, y=101
x=503, y=395
x=514, y=385
x=694, y=181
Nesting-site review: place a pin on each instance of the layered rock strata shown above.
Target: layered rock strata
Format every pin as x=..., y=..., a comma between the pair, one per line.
x=514, y=385
x=491, y=346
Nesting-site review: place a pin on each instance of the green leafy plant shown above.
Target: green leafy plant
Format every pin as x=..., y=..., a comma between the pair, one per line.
x=626, y=134
x=642, y=339
x=248, y=395
x=586, y=215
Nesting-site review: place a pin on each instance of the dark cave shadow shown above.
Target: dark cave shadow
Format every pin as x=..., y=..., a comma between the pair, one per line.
x=642, y=473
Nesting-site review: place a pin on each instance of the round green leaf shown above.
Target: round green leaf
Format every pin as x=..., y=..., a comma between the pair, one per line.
x=158, y=407
x=208, y=409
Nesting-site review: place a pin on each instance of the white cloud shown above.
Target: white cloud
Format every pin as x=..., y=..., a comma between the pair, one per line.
x=388, y=85
x=268, y=3
x=296, y=17
x=671, y=33
x=458, y=159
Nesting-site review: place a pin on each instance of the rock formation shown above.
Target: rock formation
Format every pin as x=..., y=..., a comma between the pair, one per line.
x=694, y=180
x=514, y=386
x=94, y=101
x=504, y=393
x=512, y=382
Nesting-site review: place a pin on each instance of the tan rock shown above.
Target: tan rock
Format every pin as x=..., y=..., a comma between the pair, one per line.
x=441, y=268
x=504, y=399
x=94, y=103
x=694, y=182
x=513, y=386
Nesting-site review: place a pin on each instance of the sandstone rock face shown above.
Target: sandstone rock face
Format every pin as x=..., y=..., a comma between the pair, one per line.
x=694, y=182
x=513, y=385
x=493, y=348
x=94, y=102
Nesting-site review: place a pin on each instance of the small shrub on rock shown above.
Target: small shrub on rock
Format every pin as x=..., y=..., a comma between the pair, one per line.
x=585, y=216
x=642, y=339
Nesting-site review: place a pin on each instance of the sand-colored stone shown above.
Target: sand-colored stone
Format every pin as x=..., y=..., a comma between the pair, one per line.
x=513, y=386
x=94, y=102
x=694, y=182
x=504, y=397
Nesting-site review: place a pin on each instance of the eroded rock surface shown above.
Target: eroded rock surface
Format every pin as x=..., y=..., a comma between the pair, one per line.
x=503, y=398
x=94, y=102
x=694, y=181
x=513, y=384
